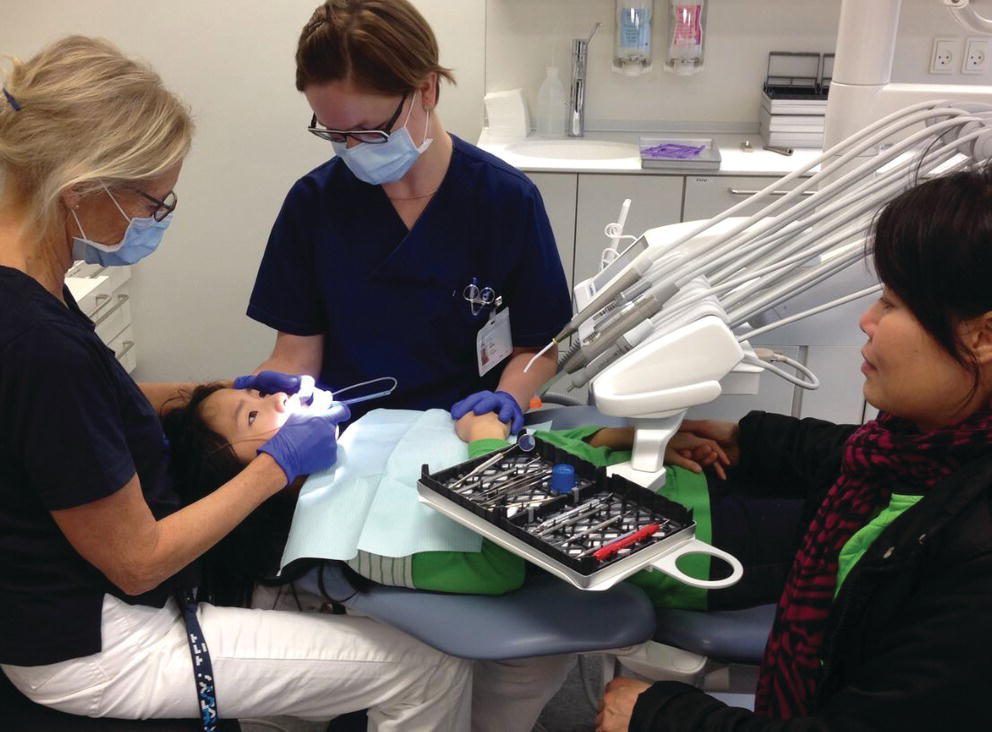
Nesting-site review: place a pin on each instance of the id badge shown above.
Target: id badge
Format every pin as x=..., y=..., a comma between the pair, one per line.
x=493, y=342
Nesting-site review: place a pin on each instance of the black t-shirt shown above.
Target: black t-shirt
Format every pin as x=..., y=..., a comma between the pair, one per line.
x=74, y=428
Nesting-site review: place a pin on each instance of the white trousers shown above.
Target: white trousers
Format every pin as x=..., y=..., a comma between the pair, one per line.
x=265, y=662
x=302, y=664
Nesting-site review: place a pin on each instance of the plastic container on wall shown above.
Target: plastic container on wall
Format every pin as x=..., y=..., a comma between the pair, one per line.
x=686, y=35
x=632, y=40
x=551, y=105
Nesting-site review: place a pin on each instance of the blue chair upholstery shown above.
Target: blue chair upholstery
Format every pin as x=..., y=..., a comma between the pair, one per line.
x=726, y=636
x=544, y=617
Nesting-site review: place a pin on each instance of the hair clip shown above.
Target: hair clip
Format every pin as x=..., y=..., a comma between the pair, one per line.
x=11, y=101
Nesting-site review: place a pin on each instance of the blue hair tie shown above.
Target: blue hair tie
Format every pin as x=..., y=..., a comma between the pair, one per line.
x=11, y=101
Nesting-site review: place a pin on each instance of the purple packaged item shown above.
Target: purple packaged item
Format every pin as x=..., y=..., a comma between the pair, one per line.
x=672, y=151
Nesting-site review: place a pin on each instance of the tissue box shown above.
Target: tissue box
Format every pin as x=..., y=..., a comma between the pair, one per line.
x=679, y=153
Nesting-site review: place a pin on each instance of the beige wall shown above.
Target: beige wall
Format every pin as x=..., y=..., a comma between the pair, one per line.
x=523, y=36
x=232, y=61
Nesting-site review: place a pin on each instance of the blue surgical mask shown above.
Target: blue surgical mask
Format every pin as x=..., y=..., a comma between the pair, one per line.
x=141, y=238
x=386, y=162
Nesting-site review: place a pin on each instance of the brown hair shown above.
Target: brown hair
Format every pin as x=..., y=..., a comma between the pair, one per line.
x=378, y=45
x=86, y=116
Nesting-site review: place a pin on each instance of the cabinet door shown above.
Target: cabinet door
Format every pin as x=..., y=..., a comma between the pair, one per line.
x=558, y=192
x=706, y=196
x=655, y=200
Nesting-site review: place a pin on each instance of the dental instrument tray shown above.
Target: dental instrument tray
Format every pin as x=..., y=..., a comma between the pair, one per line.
x=603, y=529
x=679, y=153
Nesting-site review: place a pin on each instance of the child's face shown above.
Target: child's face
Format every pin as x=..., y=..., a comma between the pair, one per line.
x=246, y=418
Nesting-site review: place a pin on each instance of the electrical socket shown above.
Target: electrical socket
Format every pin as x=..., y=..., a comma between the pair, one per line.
x=976, y=56
x=943, y=57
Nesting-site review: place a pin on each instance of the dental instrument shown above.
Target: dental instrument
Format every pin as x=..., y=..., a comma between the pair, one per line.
x=622, y=542
x=590, y=530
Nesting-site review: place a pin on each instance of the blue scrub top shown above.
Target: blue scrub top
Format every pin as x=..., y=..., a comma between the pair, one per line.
x=389, y=300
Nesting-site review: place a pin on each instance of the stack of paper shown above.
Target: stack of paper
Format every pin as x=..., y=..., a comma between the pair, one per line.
x=792, y=122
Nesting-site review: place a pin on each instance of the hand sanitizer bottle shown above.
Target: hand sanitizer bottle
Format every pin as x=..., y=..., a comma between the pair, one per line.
x=551, y=103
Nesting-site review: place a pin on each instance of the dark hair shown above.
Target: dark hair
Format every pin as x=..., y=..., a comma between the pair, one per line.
x=932, y=246
x=379, y=45
x=202, y=461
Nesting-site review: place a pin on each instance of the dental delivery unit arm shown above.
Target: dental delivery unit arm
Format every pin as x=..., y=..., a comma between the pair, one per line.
x=668, y=328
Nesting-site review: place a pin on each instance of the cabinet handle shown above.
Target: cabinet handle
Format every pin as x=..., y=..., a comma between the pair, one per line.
x=742, y=192
x=103, y=301
x=121, y=299
x=128, y=345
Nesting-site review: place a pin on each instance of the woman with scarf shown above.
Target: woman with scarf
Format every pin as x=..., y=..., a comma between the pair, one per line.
x=885, y=622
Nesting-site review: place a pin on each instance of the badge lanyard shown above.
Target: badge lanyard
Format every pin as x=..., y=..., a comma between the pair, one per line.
x=203, y=672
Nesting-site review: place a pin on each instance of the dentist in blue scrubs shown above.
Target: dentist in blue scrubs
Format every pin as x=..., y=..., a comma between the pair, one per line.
x=389, y=259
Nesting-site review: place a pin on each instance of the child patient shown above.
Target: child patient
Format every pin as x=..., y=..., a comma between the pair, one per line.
x=217, y=432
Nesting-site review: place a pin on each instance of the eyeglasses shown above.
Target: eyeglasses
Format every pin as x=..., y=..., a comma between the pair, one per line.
x=375, y=136
x=165, y=207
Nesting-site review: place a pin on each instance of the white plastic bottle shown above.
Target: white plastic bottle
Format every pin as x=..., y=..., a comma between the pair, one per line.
x=551, y=104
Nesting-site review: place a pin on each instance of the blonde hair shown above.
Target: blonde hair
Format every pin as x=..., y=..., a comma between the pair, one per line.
x=88, y=116
x=379, y=45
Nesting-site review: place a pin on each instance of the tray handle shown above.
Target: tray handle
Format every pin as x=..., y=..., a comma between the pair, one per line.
x=667, y=564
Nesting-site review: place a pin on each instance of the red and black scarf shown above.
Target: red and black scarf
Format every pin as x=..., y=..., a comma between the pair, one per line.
x=880, y=454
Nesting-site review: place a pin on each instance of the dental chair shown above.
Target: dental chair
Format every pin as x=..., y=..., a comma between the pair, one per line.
x=718, y=651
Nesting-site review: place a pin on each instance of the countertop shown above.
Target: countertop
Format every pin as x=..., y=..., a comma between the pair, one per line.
x=734, y=161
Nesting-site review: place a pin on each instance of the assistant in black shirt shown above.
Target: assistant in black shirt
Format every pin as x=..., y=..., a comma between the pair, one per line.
x=77, y=430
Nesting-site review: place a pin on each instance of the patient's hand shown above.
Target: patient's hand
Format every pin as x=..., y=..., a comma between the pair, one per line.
x=486, y=426
x=690, y=451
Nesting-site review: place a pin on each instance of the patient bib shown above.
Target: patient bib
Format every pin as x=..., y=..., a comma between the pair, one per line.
x=368, y=500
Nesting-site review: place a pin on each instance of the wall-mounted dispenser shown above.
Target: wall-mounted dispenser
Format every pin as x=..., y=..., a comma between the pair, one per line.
x=632, y=40
x=686, y=35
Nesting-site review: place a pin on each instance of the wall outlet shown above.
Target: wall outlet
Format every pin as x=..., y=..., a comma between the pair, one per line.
x=976, y=56
x=943, y=57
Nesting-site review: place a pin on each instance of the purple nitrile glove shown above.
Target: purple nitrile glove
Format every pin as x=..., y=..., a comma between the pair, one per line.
x=483, y=402
x=307, y=443
x=269, y=382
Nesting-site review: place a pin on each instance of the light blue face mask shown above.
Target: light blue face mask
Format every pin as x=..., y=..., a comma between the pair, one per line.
x=141, y=238
x=388, y=161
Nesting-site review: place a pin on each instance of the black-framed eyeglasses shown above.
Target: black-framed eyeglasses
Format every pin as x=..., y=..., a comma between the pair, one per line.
x=165, y=207
x=375, y=136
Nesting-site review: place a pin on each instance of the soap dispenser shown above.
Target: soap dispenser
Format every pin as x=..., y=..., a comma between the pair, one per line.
x=551, y=104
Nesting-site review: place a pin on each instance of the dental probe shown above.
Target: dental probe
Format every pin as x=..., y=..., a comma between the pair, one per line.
x=590, y=530
x=553, y=524
x=525, y=442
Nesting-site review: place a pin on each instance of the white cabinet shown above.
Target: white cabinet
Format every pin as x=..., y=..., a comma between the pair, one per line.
x=558, y=192
x=706, y=196
x=655, y=200
x=103, y=294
